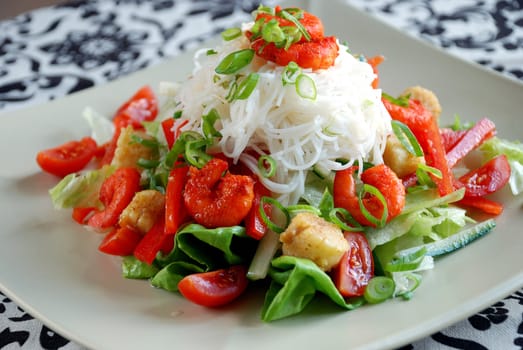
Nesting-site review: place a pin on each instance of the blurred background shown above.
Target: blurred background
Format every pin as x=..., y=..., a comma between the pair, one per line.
x=10, y=8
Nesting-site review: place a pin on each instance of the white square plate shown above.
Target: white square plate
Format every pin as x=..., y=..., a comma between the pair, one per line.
x=50, y=266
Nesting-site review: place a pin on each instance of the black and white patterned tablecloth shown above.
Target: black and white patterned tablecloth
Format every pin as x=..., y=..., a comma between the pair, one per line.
x=55, y=51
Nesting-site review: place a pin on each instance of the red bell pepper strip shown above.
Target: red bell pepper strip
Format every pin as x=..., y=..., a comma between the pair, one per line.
x=82, y=214
x=68, y=158
x=175, y=211
x=120, y=241
x=142, y=106
x=153, y=242
x=486, y=205
x=474, y=137
x=425, y=128
x=255, y=227
x=170, y=134
x=116, y=193
x=451, y=137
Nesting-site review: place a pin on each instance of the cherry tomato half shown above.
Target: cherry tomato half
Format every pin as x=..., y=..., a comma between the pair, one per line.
x=356, y=266
x=214, y=288
x=489, y=178
x=142, y=106
x=68, y=158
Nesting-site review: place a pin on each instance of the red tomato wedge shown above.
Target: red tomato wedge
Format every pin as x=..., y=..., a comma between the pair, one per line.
x=489, y=178
x=68, y=158
x=474, y=137
x=142, y=106
x=116, y=193
x=356, y=266
x=82, y=214
x=425, y=127
x=215, y=288
x=120, y=241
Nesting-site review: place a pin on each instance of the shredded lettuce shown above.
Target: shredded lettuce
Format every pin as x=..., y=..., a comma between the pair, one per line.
x=514, y=152
x=80, y=190
x=102, y=128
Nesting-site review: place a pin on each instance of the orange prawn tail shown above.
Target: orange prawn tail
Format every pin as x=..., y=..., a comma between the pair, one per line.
x=216, y=198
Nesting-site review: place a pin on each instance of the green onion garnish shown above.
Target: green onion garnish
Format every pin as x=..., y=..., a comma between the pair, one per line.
x=407, y=138
x=267, y=166
x=271, y=225
x=272, y=33
x=378, y=222
x=231, y=34
x=147, y=163
x=235, y=61
x=177, y=114
x=286, y=15
x=380, y=288
x=208, y=129
x=406, y=262
x=290, y=73
x=297, y=208
x=430, y=170
x=246, y=87
x=346, y=217
x=305, y=87
x=211, y=52
x=402, y=101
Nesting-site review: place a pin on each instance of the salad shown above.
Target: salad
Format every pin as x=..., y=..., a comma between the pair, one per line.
x=280, y=163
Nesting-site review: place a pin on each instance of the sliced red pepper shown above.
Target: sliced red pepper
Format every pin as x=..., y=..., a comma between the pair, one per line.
x=120, y=241
x=489, y=178
x=153, y=242
x=175, y=211
x=451, y=137
x=486, y=205
x=474, y=137
x=425, y=127
x=110, y=148
x=254, y=224
x=68, y=158
x=82, y=214
x=170, y=134
x=116, y=193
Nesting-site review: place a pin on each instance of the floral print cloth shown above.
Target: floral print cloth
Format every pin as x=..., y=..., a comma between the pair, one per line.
x=55, y=51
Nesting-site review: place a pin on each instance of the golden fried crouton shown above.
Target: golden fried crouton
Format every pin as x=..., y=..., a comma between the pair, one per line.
x=396, y=157
x=309, y=236
x=128, y=151
x=428, y=99
x=143, y=211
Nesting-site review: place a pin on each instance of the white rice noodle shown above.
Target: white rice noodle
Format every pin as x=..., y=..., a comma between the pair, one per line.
x=346, y=120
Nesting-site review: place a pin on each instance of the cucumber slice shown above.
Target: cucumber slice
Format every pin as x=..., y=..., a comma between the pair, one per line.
x=454, y=242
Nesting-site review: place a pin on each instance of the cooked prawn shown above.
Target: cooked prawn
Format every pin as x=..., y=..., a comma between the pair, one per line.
x=216, y=198
x=311, y=23
x=380, y=176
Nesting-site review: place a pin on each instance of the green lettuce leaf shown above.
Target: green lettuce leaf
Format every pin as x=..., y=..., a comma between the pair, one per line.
x=136, y=269
x=295, y=282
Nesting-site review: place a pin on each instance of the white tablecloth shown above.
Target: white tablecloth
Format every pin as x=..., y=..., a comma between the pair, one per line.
x=54, y=51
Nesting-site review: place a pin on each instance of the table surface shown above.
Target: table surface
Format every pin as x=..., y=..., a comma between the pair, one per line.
x=58, y=50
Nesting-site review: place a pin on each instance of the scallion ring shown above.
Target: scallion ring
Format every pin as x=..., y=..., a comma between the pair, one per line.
x=378, y=222
x=290, y=73
x=380, y=288
x=272, y=33
x=275, y=204
x=147, y=163
x=247, y=86
x=231, y=33
x=342, y=223
x=267, y=166
x=305, y=87
x=286, y=15
x=407, y=138
x=406, y=262
x=300, y=208
x=235, y=61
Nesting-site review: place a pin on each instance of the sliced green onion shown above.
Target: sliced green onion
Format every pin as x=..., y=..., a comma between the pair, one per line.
x=402, y=101
x=341, y=223
x=150, y=143
x=147, y=163
x=407, y=262
x=246, y=87
x=297, y=208
x=416, y=280
x=177, y=114
x=271, y=225
x=430, y=170
x=380, y=288
x=266, y=9
x=305, y=87
x=231, y=34
x=235, y=61
x=292, y=35
x=378, y=222
x=267, y=166
x=209, y=131
x=286, y=15
x=232, y=92
x=290, y=73
x=407, y=138
x=211, y=52
x=295, y=11
x=272, y=33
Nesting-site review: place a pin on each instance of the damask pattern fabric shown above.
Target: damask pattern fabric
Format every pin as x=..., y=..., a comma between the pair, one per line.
x=51, y=52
